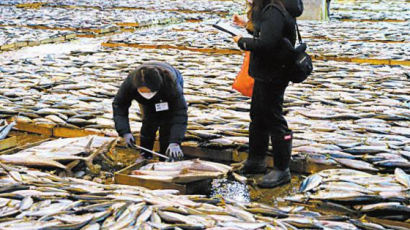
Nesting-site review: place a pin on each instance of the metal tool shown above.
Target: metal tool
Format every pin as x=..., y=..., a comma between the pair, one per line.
x=150, y=151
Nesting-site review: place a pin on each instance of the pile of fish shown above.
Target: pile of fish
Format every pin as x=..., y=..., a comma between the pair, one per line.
x=182, y=171
x=13, y=37
x=178, y=5
x=346, y=115
x=62, y=18
x=191, y=35
x=86, y=21
x=17, y=2
x=374, y=10
x=363, y=31
x=31, y=199
x=203, y=35
x=65, y=153
x=338, y=120
x=356, y=193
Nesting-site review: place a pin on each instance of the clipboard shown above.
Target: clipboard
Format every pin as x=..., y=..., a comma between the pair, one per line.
x=227, y=28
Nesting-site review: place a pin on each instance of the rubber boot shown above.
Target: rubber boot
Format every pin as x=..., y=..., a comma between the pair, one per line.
x=147, y=143
x=280, y=174
x=255, y=165
x=258, y=145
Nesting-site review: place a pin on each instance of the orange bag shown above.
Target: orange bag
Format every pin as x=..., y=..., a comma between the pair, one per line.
x=243, y=82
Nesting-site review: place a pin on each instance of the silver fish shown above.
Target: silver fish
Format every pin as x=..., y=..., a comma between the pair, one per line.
x=402, y=177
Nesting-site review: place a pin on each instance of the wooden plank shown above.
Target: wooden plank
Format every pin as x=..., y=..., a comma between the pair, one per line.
x=211, y=154
x=69, y=132
x=8, y=143
x=196, y=187
x=21, y=44
x=371, y=61
x=45, y=41
x=203, y=50
x=32, y=128
x=34, y=43
x=151, y=184
x=35, y=5
x=8, y=46
x=70, y=36
x=19, y=148
x=128, y=24
x=405, y=62
x=122, y=177
x=59, y=39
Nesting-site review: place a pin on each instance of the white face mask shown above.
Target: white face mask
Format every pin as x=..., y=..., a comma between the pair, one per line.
x=148, y=95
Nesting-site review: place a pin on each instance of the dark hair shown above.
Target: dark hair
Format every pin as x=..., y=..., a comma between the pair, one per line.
x=156, y=78
x=149, y=77
x=259, y=5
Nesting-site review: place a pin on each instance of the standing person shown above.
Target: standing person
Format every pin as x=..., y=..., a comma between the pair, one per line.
x=328, y=7
x=158, y=88
x=274, y=25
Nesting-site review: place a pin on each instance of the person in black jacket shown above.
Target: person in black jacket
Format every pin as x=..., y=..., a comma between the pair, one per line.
x=328, y=7
x=274, y=27
x=158, y=88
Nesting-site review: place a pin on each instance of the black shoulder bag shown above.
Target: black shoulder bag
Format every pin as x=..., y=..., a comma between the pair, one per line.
x=302, y=67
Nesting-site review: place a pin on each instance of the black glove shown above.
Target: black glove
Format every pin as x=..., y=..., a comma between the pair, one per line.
x=129, y=140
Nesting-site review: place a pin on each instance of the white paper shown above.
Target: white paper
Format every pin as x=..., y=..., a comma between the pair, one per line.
x=227, y=28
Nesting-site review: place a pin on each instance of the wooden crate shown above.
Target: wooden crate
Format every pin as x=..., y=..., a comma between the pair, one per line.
x=8, y=143
x=197, y=187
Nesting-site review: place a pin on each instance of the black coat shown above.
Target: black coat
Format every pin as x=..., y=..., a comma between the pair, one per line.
x=176, y=116
x=269, y=53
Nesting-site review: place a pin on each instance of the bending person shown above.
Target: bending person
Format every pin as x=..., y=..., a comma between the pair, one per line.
x=158, y=88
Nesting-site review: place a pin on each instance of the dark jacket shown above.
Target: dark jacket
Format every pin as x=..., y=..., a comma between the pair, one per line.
x=176, y=115
x=269, y=54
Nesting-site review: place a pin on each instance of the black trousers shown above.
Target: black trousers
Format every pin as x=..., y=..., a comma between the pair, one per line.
x=267, y=120
x=149, y=129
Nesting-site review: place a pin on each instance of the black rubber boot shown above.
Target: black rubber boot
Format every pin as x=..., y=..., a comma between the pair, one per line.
x=258, y=145
x=282, y=150
x=275, y=178
x=254, y=166
x=147, y=143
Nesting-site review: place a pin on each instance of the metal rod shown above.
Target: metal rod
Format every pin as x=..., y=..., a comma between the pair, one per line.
x=150, y=151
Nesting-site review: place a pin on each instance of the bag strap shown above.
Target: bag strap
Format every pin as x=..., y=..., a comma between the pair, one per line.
x=299, y=37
